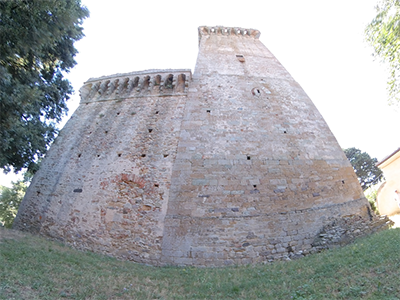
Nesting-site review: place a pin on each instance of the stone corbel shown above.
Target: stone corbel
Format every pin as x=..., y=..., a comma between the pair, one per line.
x=86, y=92
x=225, y=30
x=103, y=87
x=254, y=33
x=123, y=88
x=140, y=84
x=112, y=86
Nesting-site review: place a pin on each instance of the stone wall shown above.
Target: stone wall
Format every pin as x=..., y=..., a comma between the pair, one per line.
x=104, y=185
x=345, y=230
x=257, y=171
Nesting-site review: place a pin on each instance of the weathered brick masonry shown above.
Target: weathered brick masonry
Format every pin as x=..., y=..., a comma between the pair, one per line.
x=234, y=165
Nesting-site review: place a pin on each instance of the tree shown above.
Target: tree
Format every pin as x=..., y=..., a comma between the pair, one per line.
x=10, y=199
x=383, y=34
x=364, y=166
x=36, y=50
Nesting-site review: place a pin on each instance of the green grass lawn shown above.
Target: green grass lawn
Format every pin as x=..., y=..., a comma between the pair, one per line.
x=32, y=267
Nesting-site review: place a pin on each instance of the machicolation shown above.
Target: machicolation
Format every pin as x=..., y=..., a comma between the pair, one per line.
x=233, y=165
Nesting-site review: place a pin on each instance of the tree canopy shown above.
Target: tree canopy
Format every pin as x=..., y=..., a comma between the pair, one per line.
x=10, y=199
x=36, y=50
x=364, y=166
x=383, y=34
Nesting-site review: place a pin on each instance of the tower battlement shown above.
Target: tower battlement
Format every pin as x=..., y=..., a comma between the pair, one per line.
x=227, y=31
x=136, y=84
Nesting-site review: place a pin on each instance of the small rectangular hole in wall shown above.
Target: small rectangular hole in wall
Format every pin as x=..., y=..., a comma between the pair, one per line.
x=150, y=130
x=156, y=185
x=240, y=58
x=248, y=157
x=208, y=110
x=156, y=112
x=143, y=155
x=254, y=185
x=165, y=155
x=119, y=154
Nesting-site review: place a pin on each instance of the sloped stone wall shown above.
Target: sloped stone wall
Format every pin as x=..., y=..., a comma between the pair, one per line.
x=104, y=184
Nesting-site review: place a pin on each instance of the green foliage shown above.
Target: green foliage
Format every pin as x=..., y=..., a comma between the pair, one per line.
x=365, y=167
x=383, y=34
x=10, y=199
x=373, y=206
x=366, y=269
x=36, y=49
x=371, y=194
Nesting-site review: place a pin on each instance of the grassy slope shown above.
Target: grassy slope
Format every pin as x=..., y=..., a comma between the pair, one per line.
x=35, y=268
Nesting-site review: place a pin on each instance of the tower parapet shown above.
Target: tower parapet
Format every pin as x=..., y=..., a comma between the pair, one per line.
x=222, y=30
x=136, y=84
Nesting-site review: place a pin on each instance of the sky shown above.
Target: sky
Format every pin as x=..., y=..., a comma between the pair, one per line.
x=321, y=43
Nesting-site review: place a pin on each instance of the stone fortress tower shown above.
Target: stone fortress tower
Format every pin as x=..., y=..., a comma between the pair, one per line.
x=232, y=165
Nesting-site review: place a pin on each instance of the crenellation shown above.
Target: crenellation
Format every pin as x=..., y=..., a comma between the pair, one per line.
x=228, y=31
x=137, y=84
